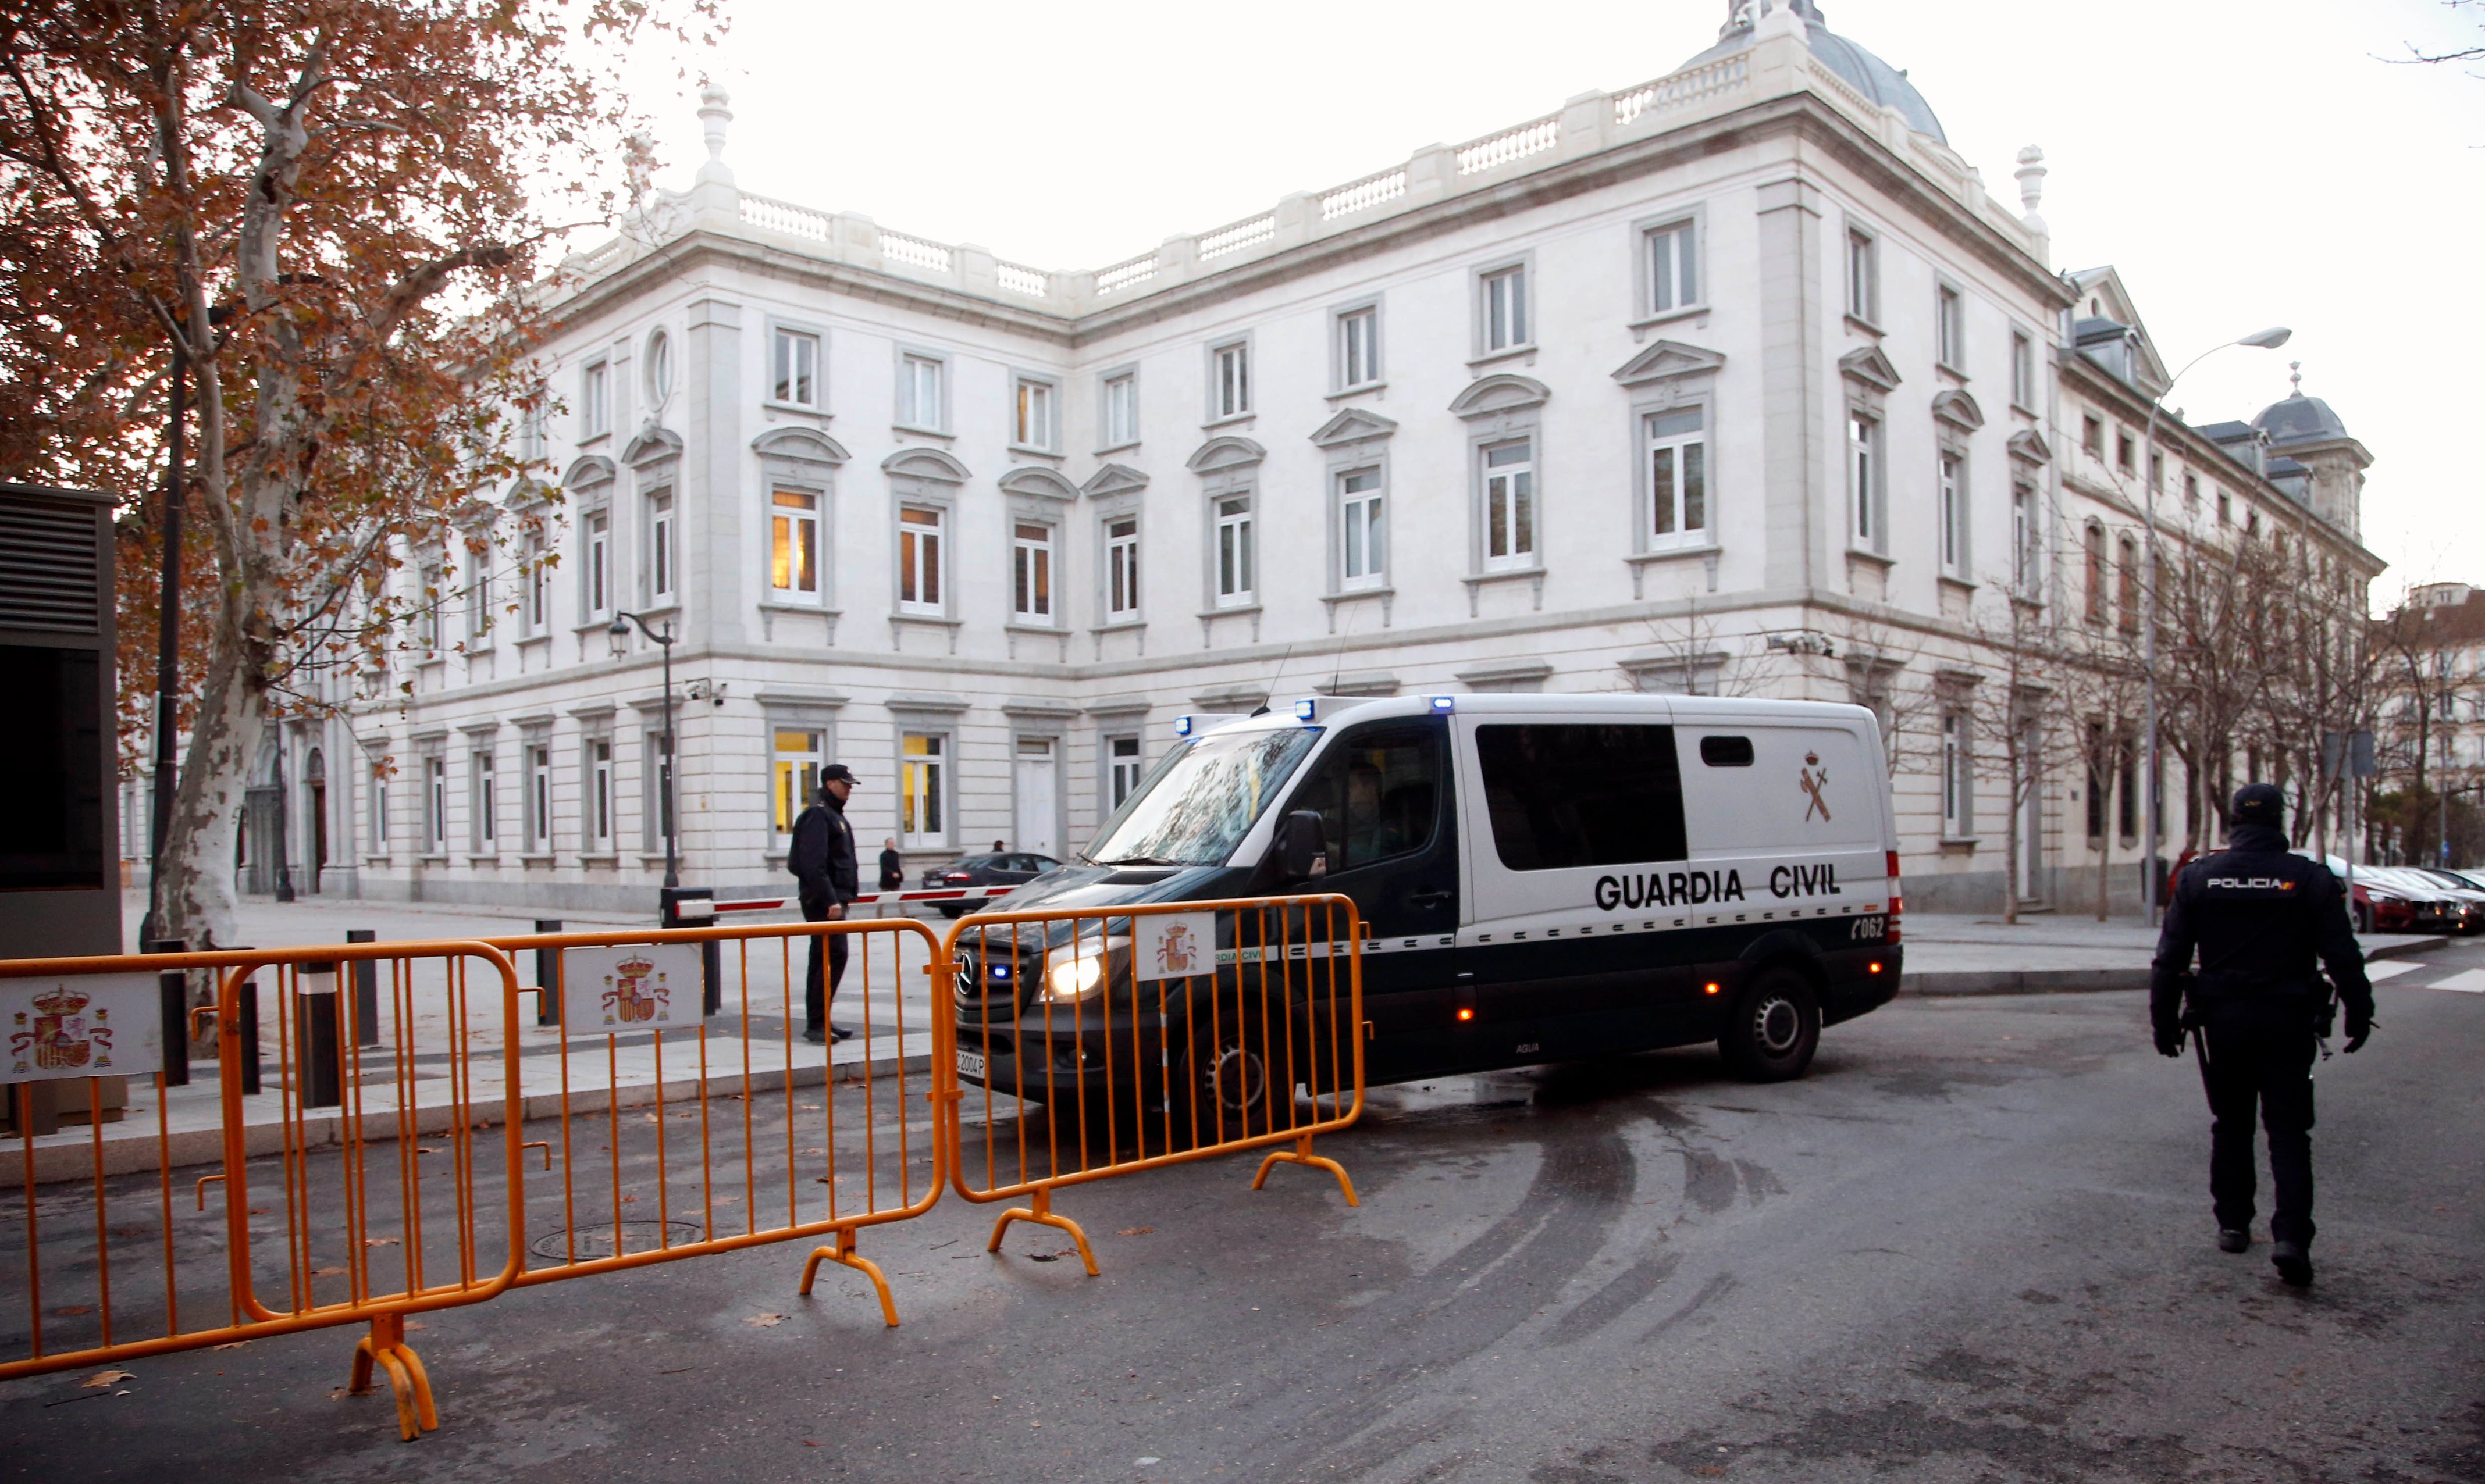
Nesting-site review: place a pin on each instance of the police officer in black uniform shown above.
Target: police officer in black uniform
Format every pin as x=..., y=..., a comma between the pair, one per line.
x=822, y=857
x=2259, y=914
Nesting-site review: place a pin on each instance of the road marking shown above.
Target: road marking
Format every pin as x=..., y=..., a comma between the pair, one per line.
x=2466, y=981
x=2390, y=968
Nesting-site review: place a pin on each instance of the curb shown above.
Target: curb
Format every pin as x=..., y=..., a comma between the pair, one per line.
x=1972, y=982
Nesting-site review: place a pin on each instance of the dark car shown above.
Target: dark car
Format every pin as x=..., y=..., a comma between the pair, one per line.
x=2464, y=899
x=1005, y=868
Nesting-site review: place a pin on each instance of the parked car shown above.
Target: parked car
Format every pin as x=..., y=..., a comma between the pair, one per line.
x=2380, y=905
x=2464, y=895
x=2396, y=899
x=1005, y=868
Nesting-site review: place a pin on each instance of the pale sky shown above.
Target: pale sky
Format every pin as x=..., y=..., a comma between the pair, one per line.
x=2241, y=164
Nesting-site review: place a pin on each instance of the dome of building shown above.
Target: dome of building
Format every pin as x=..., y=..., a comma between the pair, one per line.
x=1868, y=73
x=2299, y=419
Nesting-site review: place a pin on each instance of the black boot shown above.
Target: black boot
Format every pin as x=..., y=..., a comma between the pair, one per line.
x=2293, y=1263
x=2232, y=1240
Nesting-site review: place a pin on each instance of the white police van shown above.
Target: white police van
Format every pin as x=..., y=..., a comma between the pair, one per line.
x=1543, y=877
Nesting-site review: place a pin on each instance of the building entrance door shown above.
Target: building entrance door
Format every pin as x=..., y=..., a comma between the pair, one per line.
x=1039, y=798
x=315, y=778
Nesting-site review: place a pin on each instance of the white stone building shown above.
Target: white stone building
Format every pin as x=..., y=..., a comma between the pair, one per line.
x=1674, y=388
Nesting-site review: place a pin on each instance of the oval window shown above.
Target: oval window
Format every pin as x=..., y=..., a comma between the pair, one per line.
x=1726, y=751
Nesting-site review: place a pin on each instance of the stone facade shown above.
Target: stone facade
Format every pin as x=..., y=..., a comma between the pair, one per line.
x=1737, y=380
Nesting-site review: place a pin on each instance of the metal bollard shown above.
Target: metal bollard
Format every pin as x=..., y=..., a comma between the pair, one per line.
x=366, y=991
x=246, y=998
x=316, y=1032
x=548, y=1000
x=174, y=993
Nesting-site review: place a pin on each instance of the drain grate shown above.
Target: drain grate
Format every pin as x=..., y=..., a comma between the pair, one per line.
x=594, y=1239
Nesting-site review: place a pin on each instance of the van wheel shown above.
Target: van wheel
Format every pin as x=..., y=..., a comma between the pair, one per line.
x=2364, y=921
x=1773, y=1029
x=1226, y=1087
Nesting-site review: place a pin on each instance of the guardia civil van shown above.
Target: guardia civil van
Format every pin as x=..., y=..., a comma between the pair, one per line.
x=1543, y=877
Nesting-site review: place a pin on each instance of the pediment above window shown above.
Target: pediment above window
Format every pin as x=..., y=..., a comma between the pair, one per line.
x=809, y=443
x=1870, y=367
x=1959, y=409
x=652, y=443
x=1501, y=392
x=1113, y=479
x=594, y=469
x=1353, y=426
x=2026, y=445
x=1669, y=358
x=1219, y=454
x=926, y=464
x=1043, y=482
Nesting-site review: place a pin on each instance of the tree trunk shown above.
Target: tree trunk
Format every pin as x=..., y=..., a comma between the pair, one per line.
x=2010, y=848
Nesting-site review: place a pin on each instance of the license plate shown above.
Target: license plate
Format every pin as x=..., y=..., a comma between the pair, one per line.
x=970, y=1064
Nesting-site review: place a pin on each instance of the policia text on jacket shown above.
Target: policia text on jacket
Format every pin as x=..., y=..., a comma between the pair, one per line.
x=1541, y=877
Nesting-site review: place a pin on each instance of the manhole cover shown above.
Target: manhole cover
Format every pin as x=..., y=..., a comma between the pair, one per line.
x=595, y=1239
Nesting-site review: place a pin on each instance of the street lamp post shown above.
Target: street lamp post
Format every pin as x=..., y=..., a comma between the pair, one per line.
x=621, y=630
x=2151, y=765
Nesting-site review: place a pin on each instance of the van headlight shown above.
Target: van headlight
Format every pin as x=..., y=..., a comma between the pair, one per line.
x=1082, y=975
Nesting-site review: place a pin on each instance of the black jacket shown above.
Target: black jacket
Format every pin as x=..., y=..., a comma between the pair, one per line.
x=893, y=871
x=822, y=854
x=2259, y=914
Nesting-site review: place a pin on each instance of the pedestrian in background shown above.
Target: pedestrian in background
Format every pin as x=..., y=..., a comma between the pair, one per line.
x=893, y=868
x=2259, y=915
x=822, y=857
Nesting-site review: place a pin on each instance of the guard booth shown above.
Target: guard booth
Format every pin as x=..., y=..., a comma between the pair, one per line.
x=59, y=873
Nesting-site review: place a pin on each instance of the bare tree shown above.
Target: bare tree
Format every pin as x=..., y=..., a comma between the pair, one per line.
x=1872, y=661
x=2016, y=715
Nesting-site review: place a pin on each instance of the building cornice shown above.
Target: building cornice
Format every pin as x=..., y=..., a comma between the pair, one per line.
x=1811, y=119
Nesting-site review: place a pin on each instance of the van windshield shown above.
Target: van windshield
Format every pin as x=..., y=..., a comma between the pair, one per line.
x=1197, y=807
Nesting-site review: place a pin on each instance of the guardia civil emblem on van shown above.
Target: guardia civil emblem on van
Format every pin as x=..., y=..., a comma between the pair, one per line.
x=1813, y=777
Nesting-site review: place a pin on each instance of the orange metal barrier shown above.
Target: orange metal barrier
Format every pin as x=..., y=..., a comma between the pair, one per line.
x=1087, y=1045
x=333, y=1135
x=707, y=1145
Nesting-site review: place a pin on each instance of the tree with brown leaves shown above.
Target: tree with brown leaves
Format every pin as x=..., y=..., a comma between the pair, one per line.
x=336, y=206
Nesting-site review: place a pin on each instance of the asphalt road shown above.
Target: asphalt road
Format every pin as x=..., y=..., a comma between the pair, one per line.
x=1973, y=1244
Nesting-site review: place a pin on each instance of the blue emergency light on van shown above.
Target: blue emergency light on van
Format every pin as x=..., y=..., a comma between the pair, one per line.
x=1541, y=878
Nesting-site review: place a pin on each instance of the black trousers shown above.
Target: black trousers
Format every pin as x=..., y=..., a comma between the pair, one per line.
x=2262, y=1074
x=815, y=1005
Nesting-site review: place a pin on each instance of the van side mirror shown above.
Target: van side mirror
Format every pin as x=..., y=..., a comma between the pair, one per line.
x=1299, y=845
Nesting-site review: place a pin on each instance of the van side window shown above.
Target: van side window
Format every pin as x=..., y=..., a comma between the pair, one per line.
x=1726, y=751
x=1377, y=794
x=1563, y=794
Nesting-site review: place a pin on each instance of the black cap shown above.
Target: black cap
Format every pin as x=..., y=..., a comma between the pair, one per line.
x=837, y=772
x=2259, y=803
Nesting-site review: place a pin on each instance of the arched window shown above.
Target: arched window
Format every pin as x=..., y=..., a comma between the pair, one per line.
x=2096, y=573
x=2127, y=557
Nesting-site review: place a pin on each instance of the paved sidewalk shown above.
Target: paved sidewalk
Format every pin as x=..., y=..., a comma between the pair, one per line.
x=1959, y=952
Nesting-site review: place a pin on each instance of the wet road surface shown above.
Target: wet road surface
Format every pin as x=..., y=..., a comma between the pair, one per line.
x=1973, y=1245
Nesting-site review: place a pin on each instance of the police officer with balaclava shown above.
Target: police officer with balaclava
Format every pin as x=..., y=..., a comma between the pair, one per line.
x=2259, y=915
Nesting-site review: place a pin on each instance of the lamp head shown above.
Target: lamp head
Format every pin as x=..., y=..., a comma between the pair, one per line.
x=619, y=628
x=2270, y=338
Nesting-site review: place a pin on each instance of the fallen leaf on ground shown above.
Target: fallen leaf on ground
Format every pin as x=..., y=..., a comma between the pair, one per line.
x=415, y=1324
x=105, y=1378
x=231, y=1344
x=379, y=1241
x=1044, y=1257
x=71, y=1311
x=765, y=1321
x=628, y=1199
x=808, y=1443
x=1136, y=1230
x=326, y=1272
